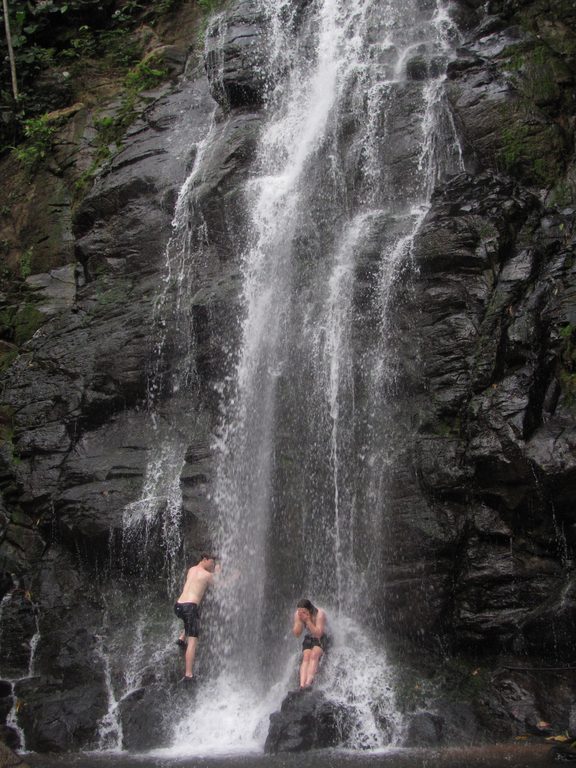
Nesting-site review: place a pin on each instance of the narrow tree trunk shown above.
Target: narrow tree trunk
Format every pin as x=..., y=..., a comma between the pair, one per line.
x=10, y=49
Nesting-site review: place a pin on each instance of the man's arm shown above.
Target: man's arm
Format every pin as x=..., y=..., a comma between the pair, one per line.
x=220, y=579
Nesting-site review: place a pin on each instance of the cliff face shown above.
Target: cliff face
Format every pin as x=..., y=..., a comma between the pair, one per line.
x=480, y=521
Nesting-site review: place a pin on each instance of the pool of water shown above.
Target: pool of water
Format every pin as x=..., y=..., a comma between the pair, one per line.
x=498, y=756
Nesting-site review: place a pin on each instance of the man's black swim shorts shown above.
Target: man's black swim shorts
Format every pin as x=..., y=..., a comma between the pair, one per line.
x=190, y=615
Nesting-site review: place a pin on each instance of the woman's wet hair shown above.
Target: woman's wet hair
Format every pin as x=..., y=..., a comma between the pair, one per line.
x=306, y=604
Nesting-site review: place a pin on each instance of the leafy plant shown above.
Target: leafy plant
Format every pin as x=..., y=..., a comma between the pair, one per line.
x=111, y=129
x=40, y=133
x=145, y=75
x=26, y=263
x=209, y=6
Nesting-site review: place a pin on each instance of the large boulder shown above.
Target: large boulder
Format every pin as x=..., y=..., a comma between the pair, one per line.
x=307, y=720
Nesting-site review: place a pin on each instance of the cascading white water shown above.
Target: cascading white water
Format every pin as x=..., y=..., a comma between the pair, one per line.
x=125, y=650
x=287, y=144
x=339, y=191
x=12, y=716
x=161, y=496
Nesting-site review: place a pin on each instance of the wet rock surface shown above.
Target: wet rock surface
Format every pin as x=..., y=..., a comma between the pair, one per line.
x=9, y=759
x=306, y=720
x=481, y=524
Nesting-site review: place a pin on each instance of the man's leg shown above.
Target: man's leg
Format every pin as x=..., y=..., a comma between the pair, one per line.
x=312, y=668
x=190, y=654
x=304, y=667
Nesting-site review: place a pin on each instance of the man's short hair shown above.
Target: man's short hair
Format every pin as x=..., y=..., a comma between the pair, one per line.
x=207, y=556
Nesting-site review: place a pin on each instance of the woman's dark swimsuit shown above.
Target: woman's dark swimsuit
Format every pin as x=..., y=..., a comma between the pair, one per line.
x=315, y=642
x=190, y=615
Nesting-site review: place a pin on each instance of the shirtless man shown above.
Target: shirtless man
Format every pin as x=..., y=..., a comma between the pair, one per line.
x=313, y=620
x=198, y=579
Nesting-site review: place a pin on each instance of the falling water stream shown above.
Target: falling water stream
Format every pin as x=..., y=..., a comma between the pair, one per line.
x=339, y=189
x=350, y=151
x=11, y=675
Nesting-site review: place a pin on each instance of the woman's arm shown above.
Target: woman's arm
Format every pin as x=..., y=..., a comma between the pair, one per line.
x=317, y=627
x=298, y=627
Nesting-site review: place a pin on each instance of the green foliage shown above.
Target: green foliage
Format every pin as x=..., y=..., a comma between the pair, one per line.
x=55, y=35
x=18, y=324
x=567, y=373
x=209, y=6
x=536, y=71
x=163, y=7
x=83, y=45
x=147, y=74
x=6, y=425
x=40, y=133
x=26, y=263
x=529, y=149
x=27, y=321
x=6, y=360
x=562, y=195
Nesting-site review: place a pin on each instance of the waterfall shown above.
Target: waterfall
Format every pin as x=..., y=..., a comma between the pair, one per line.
x=357, y=134
x=140, y=639
x=9, y=674
x=160, y=503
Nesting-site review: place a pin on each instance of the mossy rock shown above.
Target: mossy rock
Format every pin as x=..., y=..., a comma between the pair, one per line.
x=26, y=322
x=558, y=36
x=540, y=75
x=6, y=424
x=530, y=13
x=9, y=759
x=8, y=353
x=531, y=148
x=567, y=372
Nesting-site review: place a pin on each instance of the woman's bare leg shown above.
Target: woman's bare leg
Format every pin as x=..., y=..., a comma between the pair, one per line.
x=312, y=667
x=304, y=668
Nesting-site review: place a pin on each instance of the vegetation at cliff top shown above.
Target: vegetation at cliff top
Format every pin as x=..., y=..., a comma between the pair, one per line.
x=53, y=40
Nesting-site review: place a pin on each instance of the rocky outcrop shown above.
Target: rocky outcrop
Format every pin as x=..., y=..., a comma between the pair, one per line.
x=78, y=433
x=480, y=522
x=236, y=56
x=481, y=543
x=10, y=760
x=492, y=344
x=307, y=720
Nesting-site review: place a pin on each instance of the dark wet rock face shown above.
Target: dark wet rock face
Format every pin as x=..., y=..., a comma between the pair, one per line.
x=79, y=432
x=306, y=720
x=79, y=437
x=494, y=285
x=235, y=56
x=481, y=523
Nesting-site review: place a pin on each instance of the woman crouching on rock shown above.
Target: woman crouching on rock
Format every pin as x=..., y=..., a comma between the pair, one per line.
x=312, y=620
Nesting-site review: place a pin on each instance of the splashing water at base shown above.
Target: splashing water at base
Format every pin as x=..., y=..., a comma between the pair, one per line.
x=227, y=717
x=288, y=490
x=357, y=675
